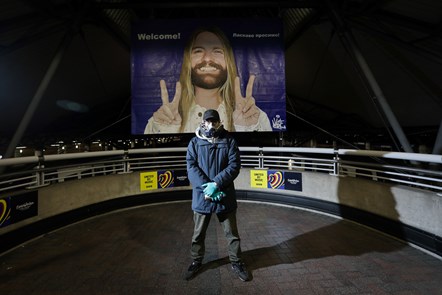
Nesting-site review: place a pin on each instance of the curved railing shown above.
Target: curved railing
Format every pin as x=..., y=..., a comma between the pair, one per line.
x=417, y=170
x=358, y=185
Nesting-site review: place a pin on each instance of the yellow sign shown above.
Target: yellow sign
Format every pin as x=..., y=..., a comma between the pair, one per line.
x=258, y=178
x=148, y=180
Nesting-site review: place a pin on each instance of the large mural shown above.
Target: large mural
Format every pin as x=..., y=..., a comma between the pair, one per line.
x=180, y=68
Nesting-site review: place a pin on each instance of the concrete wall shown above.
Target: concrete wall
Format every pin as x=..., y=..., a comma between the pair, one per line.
x=415, y=207
x=412, y=206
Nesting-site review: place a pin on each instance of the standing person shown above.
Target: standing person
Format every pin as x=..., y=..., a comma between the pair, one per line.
x=208, y=80
x=213, y=163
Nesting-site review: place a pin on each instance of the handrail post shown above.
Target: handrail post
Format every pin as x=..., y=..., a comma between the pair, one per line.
x=126, y=163
x=261, y=159
x=39, y=173
x=336, y=163
x=39, y=177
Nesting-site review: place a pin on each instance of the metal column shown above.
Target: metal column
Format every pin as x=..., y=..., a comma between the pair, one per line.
x=437, y=149
x=349, y=41
x=38, y=95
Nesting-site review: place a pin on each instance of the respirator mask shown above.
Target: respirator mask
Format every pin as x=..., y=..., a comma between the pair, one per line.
x=210, y=129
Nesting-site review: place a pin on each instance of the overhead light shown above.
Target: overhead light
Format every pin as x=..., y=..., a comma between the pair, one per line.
x=72, y=106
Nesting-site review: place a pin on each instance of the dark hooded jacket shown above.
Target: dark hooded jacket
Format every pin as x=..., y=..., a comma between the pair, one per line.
x=213, y=160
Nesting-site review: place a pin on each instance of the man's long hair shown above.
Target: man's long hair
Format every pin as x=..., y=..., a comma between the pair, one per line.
x=227, y=90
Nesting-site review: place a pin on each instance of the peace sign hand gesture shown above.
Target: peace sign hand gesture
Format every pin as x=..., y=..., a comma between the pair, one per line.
x=246, y=112
x=168, y=112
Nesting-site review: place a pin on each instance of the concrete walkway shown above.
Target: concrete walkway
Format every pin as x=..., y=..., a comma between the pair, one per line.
x=145, y=250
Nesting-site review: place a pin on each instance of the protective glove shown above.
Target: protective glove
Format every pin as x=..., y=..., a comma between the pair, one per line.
x=210, y=188
x=217, y=196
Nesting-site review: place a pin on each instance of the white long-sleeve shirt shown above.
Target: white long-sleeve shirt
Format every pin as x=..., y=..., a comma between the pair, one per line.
x=196, y=117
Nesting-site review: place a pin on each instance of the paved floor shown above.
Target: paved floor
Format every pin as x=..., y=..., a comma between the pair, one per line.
x=145, y=250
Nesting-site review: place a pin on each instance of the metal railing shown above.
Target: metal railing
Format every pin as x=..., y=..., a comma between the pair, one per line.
x=417, y=170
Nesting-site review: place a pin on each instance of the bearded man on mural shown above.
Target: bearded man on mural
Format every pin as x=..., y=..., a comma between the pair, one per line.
x=208, y=80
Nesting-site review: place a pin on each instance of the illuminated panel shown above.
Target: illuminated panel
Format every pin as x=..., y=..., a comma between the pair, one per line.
x=252, y=49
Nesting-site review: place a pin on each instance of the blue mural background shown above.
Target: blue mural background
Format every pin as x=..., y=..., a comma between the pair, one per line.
x=258, y=50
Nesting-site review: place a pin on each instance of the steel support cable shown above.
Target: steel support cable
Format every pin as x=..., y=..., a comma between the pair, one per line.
x=367, y=78
x=376, y=159
x=89, y=51
x=431, y=56
x=37, y=36
x=365, y=28
x=323, y=130
x=49, y=74
x=370, y=93
x=94, y=64
x=315, y=76
x=108, y=126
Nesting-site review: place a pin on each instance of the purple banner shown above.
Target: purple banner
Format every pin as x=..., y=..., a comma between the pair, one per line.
x=5, y=211
x=18, y=207
x=293, y=181
x=180, y=68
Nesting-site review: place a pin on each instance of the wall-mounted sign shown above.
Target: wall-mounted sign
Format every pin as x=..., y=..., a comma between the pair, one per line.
x=148, y=180
x=293, y=181
x=18, y=207
x=258, y=178
x=163, y=179
x=275, y=179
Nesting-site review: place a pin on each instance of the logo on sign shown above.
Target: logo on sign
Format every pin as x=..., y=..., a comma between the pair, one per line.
x=166, y=179
x=276, y=180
